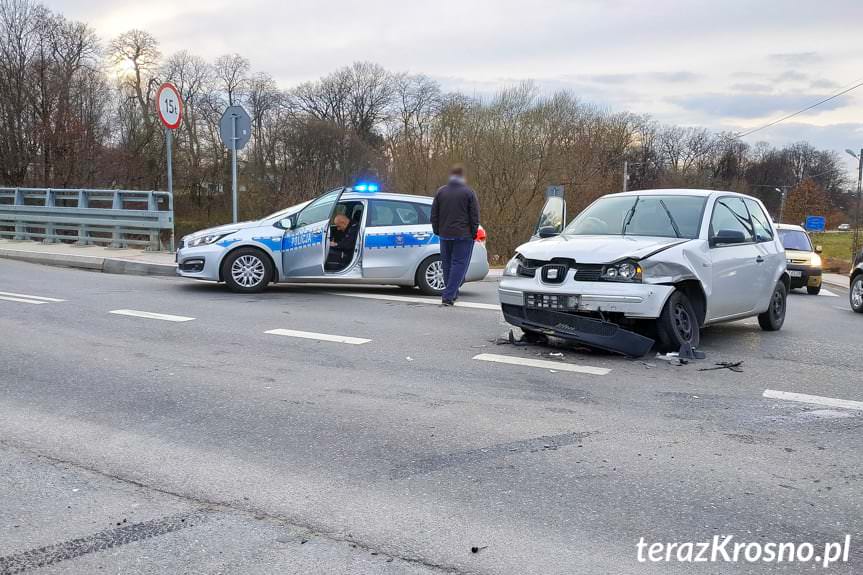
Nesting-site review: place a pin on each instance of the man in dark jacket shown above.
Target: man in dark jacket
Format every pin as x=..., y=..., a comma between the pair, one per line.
x=342, y=251
x=455, y=219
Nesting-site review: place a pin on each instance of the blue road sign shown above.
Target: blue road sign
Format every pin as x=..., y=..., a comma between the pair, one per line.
x=815, y=223
x=554, y=192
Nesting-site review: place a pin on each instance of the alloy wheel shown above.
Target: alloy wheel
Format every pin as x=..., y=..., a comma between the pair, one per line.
x=248, y=271
x=434, y=276
x=857, y=294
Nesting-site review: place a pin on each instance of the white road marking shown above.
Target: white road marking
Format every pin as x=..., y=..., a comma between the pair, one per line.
x=553, y=365
x=39, y=298
x=319, y=336
x=20, y=300
x=151, y=315
x=413, y=299
x=813, y=399
x=828, y=293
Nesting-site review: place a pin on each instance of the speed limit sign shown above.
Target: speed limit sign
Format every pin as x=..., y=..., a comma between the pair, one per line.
x=170, y=105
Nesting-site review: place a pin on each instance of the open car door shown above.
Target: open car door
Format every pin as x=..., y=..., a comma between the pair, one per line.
x=552, y=219
x=306, y=243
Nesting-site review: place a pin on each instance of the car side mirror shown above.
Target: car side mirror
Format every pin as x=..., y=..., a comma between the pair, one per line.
x=729, y=237
x=286, y=223
x=547, y=232
x=818, y=249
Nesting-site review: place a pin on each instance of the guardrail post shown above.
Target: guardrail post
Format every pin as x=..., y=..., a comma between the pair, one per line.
x=117, y=204
x=50, y=231
x=19, y=225
x=83, y=202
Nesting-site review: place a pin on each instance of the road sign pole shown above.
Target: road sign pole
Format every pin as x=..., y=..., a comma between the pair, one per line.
x=168, y=142
x=234, y=166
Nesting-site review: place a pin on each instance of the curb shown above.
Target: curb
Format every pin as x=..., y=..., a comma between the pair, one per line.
x=844, y=283
x=92, y=263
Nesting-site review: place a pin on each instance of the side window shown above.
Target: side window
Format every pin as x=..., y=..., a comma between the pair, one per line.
x=731, y=214
x=760, y=222
x=395, y=213
x=319, y=210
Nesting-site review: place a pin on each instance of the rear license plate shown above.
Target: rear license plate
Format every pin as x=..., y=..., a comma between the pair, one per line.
x=551, y=301
x=795, y=273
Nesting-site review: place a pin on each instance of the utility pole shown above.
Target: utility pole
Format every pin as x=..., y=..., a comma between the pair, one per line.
x=856, y=244
x=783, y=191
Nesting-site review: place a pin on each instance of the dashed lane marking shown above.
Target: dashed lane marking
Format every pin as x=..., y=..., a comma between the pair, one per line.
x=413, y=299
x=541, y=363
x=151, y=315
x=828, y=293
x=26, y=298
x=319, y=336
x=813, y=399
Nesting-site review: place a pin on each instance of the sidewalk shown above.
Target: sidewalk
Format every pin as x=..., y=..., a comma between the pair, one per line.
x=836, y=280
x=97, y=258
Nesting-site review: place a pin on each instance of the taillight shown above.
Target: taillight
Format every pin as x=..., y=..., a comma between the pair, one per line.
x=480, y=235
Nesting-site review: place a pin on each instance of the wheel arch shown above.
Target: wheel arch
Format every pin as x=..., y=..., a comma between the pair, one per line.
x=263, y=250
x=694, y=291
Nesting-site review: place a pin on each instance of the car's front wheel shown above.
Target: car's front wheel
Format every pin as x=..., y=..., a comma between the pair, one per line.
x=774, y=317
x=430, y=276
x=813, y=290
x=855, y=296
x=247, y=270
x=678, y=323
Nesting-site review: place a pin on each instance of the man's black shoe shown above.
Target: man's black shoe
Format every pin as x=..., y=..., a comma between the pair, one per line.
x=447, y=302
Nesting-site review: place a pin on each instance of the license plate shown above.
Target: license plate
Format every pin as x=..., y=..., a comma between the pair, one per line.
x=795, y=273
x=551, y=301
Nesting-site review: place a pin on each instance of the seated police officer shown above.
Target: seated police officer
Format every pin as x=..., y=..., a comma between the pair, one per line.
x=342, y=251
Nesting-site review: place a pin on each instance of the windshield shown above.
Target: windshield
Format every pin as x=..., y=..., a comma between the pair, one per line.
x=282, y=213
x=672, y=216
x=795, y=240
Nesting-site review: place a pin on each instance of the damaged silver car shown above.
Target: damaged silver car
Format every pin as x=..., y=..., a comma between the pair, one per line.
x=647, y=267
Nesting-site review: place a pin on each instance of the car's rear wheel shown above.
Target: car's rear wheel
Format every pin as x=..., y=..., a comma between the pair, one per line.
x=247, y=270
x=678, y=323
x=774, y=317
x=430, y=276
x=813, y=290
x=855, y=296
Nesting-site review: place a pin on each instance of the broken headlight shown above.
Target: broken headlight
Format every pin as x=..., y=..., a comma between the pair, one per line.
x=511, y=269
x=626, y=271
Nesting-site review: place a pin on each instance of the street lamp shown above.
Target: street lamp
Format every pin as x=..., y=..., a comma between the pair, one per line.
x=856, y=244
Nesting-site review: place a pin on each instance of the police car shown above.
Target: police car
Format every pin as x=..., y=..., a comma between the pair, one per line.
x=394, y=245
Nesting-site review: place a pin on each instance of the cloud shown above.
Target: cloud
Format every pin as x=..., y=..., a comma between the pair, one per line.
x=751, y=105
x=795, y=58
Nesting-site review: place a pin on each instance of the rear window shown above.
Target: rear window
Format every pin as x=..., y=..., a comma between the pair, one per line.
x=795, y=240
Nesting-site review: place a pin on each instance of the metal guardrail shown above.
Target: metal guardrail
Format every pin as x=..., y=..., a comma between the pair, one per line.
x=119, y=218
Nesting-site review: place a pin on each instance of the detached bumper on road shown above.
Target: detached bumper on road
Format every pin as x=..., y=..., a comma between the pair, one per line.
x=585, y=330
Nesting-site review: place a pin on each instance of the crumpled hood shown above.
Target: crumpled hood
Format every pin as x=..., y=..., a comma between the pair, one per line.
x=595, y=249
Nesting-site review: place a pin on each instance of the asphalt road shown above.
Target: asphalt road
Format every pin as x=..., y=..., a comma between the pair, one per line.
x=204, y=444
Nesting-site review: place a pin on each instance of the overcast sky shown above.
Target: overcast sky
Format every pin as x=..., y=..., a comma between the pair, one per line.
x=722, y=64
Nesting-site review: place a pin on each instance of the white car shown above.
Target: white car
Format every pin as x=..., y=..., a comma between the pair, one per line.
x=392, y=243
x=647, y=265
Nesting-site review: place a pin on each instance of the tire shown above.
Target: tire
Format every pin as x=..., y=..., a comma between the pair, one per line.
x=855, y=294
x=813, y=290
x=429, y=276
x=774, y=317
x=678, y=324
x=247, y=270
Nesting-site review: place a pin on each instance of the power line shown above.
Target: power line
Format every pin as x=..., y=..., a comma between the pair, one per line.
x=797, y=113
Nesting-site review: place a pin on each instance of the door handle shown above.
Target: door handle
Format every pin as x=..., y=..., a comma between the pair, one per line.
x=759, y=259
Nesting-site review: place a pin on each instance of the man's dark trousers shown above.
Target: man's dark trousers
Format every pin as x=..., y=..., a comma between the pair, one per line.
x=455, y=259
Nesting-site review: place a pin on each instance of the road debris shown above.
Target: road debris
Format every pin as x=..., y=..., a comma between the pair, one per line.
x=478, y=549
x=672, y=358
x=730, y=365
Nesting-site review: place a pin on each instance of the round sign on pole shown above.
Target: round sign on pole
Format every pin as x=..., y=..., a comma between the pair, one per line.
x=169, y=105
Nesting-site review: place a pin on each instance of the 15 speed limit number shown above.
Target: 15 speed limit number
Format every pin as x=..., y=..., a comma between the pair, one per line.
x=169, y=105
